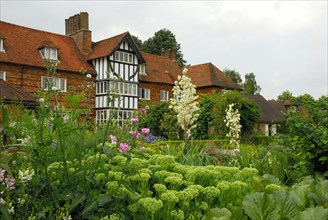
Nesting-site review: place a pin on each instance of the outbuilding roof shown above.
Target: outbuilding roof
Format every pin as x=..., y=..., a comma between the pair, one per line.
x=208, y=75
x=10, y=94
x=269, y=113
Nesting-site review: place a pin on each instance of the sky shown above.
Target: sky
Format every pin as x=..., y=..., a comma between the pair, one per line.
x=284, y=43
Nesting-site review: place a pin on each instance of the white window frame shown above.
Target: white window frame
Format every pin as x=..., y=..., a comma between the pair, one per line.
x=102, y=87
x=123, y=57
x=142, y=69
x=123, y=88
x=3, y=75
x=164, y=95
x=54, y=82
x=144, y=94
x=49, y=53
x=120, y=116
x=2, y=48
x=102, y=116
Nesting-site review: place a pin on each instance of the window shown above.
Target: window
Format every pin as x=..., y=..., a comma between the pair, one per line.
x=101, y=87
x=120, y=116
x=51, y=82
x=2, y=49
x=124, y=57
x=49, y=53
x=123, y=88
x=142, y=69
x=164, y=95
x=101, y=116
x=144, y=94
x=2, y=75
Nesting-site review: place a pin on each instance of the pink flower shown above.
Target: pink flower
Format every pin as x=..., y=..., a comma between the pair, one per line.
x=134, y=120
x=135, y=133
x=123, y=148
x=10, y=183
x=145, y=131
x=143, y=111
x=113, y=139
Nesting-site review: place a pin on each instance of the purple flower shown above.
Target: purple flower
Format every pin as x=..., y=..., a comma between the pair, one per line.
x=134, y=120
x=123, y=148
x=113, y=139
x=145, y=131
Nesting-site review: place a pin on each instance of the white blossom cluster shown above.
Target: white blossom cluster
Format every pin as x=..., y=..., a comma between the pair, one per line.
x=185, y=102
x=233, y=123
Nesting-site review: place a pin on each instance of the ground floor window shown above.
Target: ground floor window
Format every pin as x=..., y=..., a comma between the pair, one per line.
x=117, y=116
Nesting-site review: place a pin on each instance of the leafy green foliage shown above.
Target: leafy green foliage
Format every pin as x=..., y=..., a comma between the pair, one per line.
x=249, y=112
x=163, y=40
x=314, y=213
x=205, y=118
x=308, y=133
x=250, y=85
x=259, y=206
x=234, y=75
x=161, y=121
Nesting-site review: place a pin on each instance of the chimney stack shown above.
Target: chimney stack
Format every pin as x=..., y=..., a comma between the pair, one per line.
x=77, y=27
x=171, y=54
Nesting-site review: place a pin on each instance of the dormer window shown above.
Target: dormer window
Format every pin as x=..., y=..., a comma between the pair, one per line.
x=2, y=49
x=49, y=53
x=142, y=69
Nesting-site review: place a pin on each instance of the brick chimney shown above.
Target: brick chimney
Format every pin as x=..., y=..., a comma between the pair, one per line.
x=77, y=27
x=171, y=54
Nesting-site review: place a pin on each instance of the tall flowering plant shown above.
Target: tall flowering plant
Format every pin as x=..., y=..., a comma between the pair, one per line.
x=233, y=123
x=185, y=103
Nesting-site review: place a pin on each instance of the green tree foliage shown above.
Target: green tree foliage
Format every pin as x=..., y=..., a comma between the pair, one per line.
x=249, y=112
x=250, y=85
x=161, y=121
x=205, y=118
x=154, y=117
x=304, y=100
x=137, y=41
x=163, y=40
x=286, y=95
x=308, y=133
x=234, y=75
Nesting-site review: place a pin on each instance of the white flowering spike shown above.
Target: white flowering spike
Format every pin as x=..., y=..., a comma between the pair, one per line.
x=185, y=102
x=233, y=123
x=88, y=76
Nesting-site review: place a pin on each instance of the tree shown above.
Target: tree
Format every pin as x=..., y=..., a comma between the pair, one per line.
x=250, y=84
x=249, y=112
x=286, y=95
x=234, y=75
x=137, y=41
x=163, y=40
x=308, y=133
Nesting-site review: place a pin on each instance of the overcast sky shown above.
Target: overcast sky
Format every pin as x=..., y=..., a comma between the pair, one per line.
x=284, y=43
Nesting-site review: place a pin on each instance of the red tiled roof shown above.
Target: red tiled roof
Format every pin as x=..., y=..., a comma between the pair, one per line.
x=105, y=47
x=208, y=75
x=10, y=93
x=22, y=46
x=159, y=69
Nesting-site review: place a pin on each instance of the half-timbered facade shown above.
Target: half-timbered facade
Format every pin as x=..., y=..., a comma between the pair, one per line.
x=116, y=61
x=124, y=77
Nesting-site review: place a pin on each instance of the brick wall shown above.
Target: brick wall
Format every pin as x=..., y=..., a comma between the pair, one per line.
x=29, y=79
x=155, y=91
